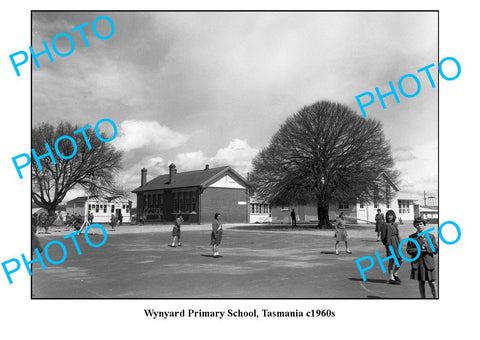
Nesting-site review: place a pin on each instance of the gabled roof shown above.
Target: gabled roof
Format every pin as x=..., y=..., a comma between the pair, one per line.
x=79, y=199
x=389, y=181
x=196, y=178
x=83, y=199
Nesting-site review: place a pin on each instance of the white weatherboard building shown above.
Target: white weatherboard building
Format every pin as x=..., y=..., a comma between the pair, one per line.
x=356, y=211
x=260, y=211
x=101, y=208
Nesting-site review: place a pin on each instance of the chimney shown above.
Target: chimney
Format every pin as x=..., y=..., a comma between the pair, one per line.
x=172, y=173
x=207, y=166
x=143, y=177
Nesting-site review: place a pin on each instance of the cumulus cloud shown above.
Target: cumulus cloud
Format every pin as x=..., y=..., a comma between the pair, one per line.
x=237, y=154
x=135, y=134
x=190, y=161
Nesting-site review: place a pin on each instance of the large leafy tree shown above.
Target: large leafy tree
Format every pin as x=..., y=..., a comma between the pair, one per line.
x=93, y=169
x=324, y=152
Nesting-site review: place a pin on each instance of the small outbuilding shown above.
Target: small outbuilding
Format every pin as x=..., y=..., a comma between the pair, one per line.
x=101, y=208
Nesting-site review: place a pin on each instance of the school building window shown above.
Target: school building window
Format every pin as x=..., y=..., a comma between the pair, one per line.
x=403, y=207
x=259, y=208
x=175, y=202
x=188, y=201
x=375, y=204
x=362, y=205
x=194, y=203
x=184, y=201
x=104, y=208
x=343, y=206
x=96, y=208
x=113, y=208
x=157, y=200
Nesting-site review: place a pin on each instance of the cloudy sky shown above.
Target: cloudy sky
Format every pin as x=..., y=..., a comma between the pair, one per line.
x=197, y=88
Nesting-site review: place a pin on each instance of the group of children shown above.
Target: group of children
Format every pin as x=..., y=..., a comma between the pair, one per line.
x=115, y=221
x=215, y=236
x=422, y=269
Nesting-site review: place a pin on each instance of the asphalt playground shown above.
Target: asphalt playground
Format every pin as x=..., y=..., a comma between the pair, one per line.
x=257, y=261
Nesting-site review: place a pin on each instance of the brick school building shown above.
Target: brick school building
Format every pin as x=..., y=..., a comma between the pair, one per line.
x=197, y=195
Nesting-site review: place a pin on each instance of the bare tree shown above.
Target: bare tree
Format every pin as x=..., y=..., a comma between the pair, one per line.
x=323, y=152
x=92, y=168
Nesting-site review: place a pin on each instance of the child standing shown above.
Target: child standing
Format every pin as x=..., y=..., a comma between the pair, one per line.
x=390, y=237
x=113, y=221
x=341, y=234
x=379, y=219
x=176, y=231
x=423, y=268
x=216, y=236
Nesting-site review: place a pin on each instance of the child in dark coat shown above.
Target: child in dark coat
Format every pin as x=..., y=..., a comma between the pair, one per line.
x=113, y=221
x=390, y=237
x=423, y=268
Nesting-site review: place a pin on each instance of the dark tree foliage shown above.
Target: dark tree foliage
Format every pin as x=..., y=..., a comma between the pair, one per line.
x=324, y=152
x=92, y=169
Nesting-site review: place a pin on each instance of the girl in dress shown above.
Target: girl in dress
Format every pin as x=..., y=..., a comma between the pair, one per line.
x=390, y=237
x=341, y=234
x=423, y=268
x=176, y=231
x=216, y=236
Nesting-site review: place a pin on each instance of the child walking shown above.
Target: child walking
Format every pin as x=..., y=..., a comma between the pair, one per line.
x=423, y=268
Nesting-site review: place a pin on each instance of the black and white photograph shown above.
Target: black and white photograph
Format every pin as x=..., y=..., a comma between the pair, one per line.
x=226, y=156
x=198, y=169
